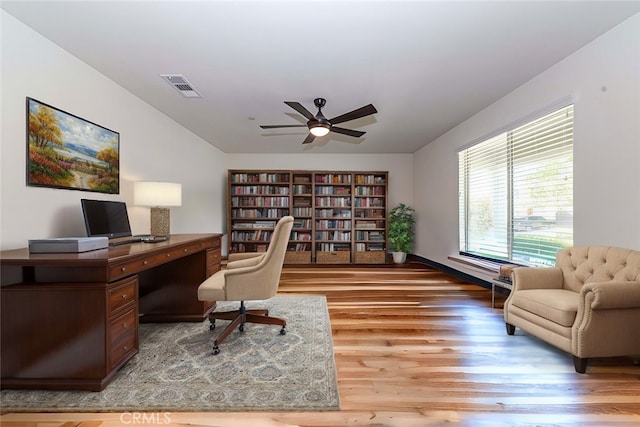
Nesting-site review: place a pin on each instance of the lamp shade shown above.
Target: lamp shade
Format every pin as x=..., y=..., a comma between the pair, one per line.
x=319, y=129
x=150, y=193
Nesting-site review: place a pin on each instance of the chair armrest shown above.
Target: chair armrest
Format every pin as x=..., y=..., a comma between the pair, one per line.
x=248, y=283
x=241, y=262
x=610, y=295
x=244, y=255
x=536, y=278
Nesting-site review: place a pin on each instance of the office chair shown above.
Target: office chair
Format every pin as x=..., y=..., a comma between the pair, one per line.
x=248, y=277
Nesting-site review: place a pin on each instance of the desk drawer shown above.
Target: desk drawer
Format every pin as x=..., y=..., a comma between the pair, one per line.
x=213, y=261
x=157, y=258
x=123, y=325
x=122, y=294
x=120, y=350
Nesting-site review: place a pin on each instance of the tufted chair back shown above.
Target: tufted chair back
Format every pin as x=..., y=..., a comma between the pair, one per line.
x=586, y=264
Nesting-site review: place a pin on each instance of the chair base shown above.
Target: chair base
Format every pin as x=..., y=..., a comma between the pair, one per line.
x=239, y=318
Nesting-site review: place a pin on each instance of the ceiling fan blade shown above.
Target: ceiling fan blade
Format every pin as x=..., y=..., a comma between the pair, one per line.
x=350, y=132
x=309, y=138
x=355, y=114
x=300, y=109
x=282, y=126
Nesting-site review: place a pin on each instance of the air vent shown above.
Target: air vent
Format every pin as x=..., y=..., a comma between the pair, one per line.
x=181, y=85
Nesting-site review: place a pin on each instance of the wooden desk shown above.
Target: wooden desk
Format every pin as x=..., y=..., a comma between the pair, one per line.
x=70, y=321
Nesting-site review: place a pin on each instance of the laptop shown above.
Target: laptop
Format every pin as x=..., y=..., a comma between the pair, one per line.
x=110, y=219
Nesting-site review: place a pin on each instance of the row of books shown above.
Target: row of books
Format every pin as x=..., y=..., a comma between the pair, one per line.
x=333, y=213
x=338, y=191
x=333, y=202
x=332, y=247
x=369, y=191
x=362, y=247
x=299, y=247
x=326, y=224
x=259, y=213
x=253, y=247
x=260, y=201
x=370, y=179
x=260, y=235
x=301, y=223
x=370, y=224
x=339, y=236
x=333, y=179
x=370, y=235
x=368, y=202
x=256, y=224
x=301, y=189
x=366, y=212
x=259, y=177
x=296, y=235
x=302, y=211
x=259, y=189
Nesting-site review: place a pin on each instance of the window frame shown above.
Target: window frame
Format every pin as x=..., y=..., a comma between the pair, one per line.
x=465, y=199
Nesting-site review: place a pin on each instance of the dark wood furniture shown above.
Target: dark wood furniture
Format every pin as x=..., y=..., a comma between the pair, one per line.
x=340, y=216
x=70, y=320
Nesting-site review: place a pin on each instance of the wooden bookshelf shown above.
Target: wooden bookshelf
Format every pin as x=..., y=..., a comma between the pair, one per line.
x=340, y=216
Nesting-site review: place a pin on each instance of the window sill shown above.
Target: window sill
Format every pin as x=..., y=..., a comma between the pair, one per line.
x=481, y=264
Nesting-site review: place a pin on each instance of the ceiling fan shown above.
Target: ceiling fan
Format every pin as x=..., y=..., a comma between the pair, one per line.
x=319, y=125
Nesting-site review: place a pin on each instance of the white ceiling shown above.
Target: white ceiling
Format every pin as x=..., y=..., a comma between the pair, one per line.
x=425, y=65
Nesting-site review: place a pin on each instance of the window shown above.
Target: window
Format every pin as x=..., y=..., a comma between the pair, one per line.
x=516, y=192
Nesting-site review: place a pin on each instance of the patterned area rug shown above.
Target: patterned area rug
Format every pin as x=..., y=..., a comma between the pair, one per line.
x=255, y=370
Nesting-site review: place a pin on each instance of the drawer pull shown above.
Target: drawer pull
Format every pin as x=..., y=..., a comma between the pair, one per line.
x=186, y=250
x=125, y=348
x=124, y=296
x=145, y=262
x=123, y=269
x=125, y=325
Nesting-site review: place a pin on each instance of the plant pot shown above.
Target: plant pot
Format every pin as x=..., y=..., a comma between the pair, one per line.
x=399, y=257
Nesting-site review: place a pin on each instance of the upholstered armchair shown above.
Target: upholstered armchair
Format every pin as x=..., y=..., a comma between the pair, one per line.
x=247, y=278
x=587, y=305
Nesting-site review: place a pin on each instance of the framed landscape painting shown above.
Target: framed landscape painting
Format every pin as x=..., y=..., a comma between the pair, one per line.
x=66, y=151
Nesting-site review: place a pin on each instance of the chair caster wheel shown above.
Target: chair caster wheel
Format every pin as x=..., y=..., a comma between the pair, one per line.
x=283, y=331
x=241, y=328
x=212, y=327
x=216, y=350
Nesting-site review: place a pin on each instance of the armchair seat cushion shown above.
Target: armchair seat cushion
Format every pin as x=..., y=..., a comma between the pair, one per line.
x=557, y=305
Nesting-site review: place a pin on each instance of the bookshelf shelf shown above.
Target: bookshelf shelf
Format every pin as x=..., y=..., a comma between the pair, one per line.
x=340, y=216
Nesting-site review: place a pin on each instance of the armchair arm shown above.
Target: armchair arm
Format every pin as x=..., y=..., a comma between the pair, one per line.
x=239, y=262
x=254, y=282
x=236, y=256
x=536, y=278
x=610, y=295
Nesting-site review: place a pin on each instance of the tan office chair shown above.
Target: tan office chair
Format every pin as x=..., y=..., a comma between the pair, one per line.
x=247, y=278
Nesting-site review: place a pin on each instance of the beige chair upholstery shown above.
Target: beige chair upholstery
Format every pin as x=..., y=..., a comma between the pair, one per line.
x=247, y=278
x=587, y=305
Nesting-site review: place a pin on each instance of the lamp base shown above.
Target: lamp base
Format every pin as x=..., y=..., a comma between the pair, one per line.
x=160, y=222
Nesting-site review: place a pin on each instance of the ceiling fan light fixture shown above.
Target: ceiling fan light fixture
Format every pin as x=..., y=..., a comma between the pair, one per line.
x=319, y=129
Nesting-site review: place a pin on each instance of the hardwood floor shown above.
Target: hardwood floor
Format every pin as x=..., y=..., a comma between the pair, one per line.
x=416, y=347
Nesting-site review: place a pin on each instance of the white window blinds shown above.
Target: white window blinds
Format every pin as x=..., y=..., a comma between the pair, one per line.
x=516, y=192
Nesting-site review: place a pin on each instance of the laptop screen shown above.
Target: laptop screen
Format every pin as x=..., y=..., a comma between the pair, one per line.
x=105, y=218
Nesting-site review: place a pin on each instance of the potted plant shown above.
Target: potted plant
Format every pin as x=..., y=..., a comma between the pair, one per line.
x=401, y=231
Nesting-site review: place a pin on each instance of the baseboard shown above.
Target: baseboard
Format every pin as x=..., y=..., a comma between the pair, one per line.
x=452, y=271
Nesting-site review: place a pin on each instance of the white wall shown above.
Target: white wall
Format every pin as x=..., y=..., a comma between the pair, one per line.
x=603, y=79
x=152, y=146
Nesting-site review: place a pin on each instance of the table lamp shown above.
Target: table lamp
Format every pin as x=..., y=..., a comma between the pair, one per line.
x=158, y=195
